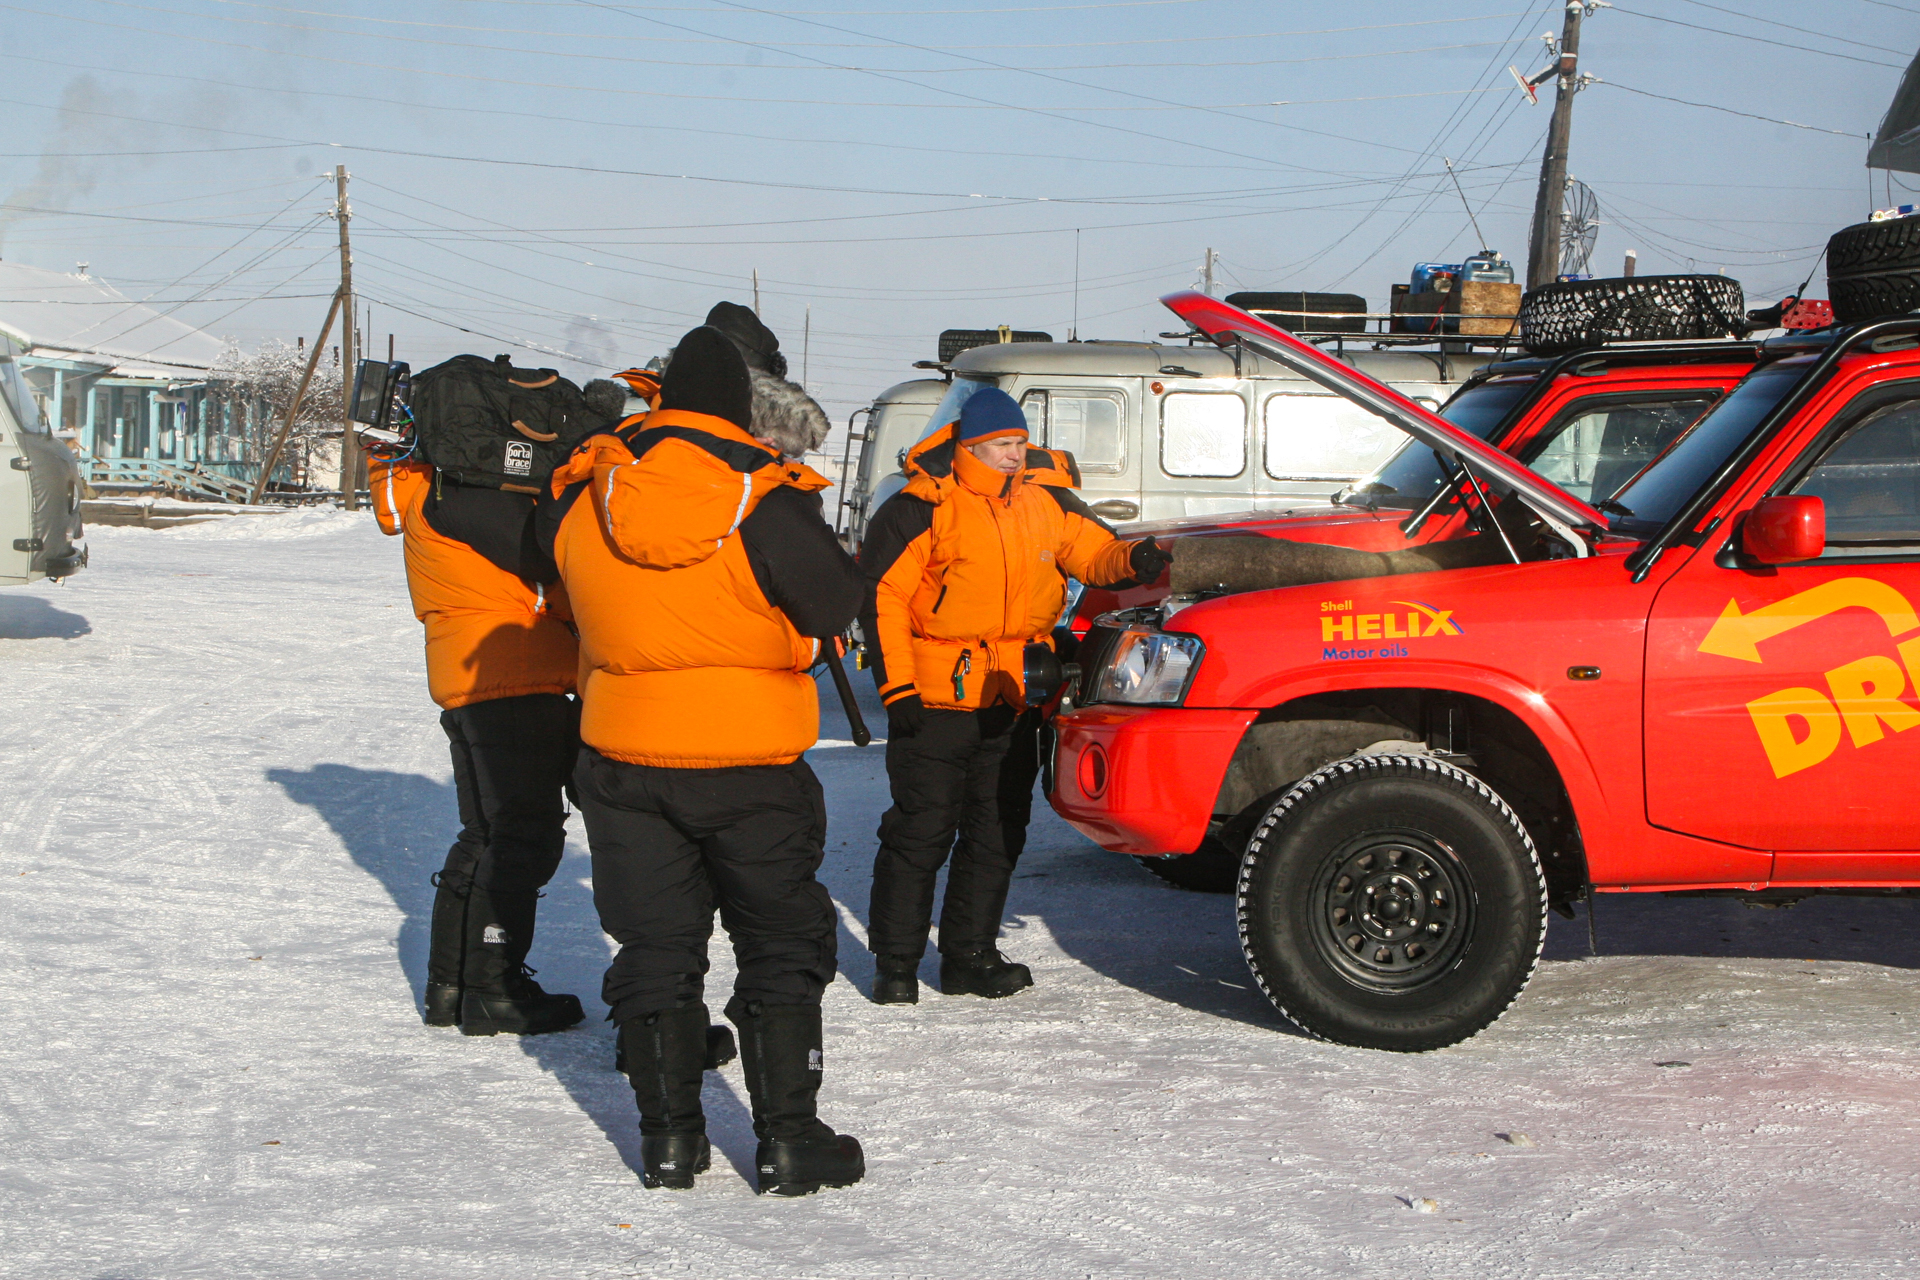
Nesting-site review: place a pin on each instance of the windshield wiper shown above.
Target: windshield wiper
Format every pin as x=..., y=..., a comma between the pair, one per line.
x=1611, y=507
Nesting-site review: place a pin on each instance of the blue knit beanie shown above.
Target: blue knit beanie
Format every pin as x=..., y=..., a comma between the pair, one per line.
x=987, y=414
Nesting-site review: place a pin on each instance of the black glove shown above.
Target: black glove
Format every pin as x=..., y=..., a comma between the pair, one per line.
x=905, y=716
x=1149, y=560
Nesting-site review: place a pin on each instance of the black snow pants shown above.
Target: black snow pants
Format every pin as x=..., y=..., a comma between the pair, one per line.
x=671, y=845
x=511, y=759
x=967, y=774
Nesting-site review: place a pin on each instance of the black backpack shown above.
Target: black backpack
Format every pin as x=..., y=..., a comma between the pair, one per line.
x=484, y=422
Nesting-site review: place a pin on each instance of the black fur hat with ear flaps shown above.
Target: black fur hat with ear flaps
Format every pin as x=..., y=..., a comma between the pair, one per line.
x=756, y=342
x=709, y=375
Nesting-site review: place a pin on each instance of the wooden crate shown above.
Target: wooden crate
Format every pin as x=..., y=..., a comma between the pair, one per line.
x=1486, y=308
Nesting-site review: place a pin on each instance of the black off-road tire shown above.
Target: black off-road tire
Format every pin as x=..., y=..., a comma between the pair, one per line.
x=1392, y=902
x=1569, y=315
x=1212, y=868
x=1873, y=270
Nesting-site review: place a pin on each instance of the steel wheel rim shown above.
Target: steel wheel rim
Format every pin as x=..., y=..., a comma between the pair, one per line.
x=1392, y=911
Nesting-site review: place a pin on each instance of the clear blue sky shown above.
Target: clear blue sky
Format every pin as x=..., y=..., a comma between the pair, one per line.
x=901, y=167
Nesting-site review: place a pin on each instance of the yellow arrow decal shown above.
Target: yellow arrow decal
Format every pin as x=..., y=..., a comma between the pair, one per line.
x=1738, y=635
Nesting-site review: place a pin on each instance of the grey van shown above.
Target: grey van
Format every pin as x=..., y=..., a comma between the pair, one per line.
x=1161, y=430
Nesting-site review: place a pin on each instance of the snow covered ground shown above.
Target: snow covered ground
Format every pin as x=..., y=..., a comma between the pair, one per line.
x=224, y=789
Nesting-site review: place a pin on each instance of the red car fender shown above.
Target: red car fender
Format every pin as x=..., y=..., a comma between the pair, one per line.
x=1572, y=757
x=1162, y=768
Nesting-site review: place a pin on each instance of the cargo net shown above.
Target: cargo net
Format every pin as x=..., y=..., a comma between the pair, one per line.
x=1584, y=313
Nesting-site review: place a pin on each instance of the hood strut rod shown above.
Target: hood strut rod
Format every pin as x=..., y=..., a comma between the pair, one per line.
x=1486, y=509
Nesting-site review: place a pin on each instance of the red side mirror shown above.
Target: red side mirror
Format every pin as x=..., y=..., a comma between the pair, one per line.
x=1785, y=528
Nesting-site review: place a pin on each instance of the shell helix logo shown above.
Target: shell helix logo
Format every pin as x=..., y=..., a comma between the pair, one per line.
x=1416, y=620
x=1801, y=727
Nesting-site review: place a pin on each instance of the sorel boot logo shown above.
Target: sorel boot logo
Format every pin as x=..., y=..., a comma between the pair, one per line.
x=494, y=934
x=815, y=1061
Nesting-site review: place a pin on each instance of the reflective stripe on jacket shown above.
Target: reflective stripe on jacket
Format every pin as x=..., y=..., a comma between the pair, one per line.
x=684, y=661
x=490, y=633
x=968, y=565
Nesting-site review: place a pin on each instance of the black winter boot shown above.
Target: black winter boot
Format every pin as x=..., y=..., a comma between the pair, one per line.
x=665, y=1053
x=720, y=1049
x=501, y=994
x=897, y=980
x=521, y=1008
x=442, y=1007
x=982, y=973
x=780, y=1051
x=446, y=949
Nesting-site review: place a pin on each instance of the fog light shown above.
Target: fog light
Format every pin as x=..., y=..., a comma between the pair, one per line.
x=1093, y=770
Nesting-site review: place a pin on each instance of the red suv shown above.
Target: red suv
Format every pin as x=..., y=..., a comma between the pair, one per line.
x=1587, y=420
x=1701, y=688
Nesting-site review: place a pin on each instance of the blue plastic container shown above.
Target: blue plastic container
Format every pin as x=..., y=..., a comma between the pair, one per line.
x=1487, y=265
x=1434, y=277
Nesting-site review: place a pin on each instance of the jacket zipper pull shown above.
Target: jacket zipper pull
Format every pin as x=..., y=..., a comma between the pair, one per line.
x=960, y=670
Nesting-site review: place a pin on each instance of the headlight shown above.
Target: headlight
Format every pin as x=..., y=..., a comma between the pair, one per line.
x=1152, y=667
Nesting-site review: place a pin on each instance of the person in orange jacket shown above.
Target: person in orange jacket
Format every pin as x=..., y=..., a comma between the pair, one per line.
x=501, y=661
x=967, y=565
x=705, y=582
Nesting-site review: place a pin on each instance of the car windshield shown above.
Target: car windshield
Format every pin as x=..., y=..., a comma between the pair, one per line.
x=963, y=388
x=1411, y=475
x=1643, y=508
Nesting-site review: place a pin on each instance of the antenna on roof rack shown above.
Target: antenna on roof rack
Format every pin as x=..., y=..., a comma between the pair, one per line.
x=1471, y=220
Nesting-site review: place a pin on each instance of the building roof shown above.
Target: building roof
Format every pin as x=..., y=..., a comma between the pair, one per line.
x=63, y=316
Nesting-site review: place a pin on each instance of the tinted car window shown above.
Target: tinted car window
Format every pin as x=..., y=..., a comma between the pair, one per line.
x=1869, y=482
x=1414, y=472
x=1657, y=493
x=1596, y=448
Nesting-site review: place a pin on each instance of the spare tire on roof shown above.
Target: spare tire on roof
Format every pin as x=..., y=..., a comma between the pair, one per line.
x=1571, y=314
x=1873, y=270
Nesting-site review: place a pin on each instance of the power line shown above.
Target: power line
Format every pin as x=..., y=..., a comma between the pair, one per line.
x=683, y=62
x=1787, y=26
x=802, y=44
x=997, y=154
x=1709, y=106
x=1739, y=35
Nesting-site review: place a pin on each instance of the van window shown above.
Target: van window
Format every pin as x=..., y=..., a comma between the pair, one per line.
x=1323, y=437
x=1203, y=434
x=1091, y=425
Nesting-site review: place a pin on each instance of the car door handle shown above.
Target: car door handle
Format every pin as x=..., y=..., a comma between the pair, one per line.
x=1116, y=509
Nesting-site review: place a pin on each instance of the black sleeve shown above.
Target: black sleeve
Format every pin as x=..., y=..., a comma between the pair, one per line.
x=548, y=514
x=799, y=563
x=900, y=520
x=495, y=522
x=1071, y=504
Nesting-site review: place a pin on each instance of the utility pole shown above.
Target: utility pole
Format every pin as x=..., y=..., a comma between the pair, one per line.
x=1206, y=273
x=1543, y=251
x=272, y=457
x=349, y=442
x=756, y=291
x=806, y=345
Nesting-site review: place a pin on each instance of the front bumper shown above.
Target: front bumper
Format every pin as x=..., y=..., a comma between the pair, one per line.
x=1142, y=780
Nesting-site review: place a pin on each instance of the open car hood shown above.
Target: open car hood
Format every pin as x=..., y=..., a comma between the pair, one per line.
x=1227, y=326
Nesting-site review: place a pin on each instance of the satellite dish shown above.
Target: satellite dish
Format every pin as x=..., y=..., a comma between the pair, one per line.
x=1579, y=228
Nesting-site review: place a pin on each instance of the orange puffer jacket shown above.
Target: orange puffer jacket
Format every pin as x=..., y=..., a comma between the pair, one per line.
x=684, y=661
x=968, y=565
x=490, y=633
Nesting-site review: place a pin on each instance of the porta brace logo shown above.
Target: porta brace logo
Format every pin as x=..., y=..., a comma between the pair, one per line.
x=1418, y=622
